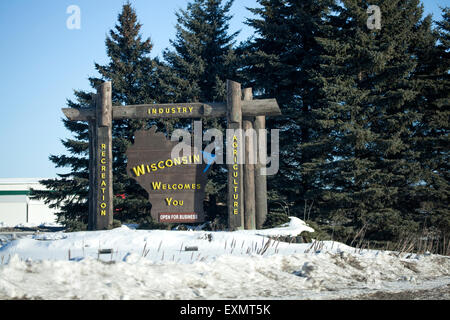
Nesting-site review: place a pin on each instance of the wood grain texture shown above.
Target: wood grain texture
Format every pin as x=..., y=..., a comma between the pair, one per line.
x=260, y=180
x=104, y=105
x=102, y=174
x=267, y=107
x=235, y=170
x=249, y=168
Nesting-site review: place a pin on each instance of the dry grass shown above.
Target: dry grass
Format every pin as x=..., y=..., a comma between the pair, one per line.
x=424, y=243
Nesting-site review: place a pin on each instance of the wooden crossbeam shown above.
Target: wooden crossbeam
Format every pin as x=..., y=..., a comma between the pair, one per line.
x=253, y=108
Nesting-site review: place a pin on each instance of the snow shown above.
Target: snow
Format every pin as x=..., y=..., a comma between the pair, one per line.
x=32, y=225
x=153, y=264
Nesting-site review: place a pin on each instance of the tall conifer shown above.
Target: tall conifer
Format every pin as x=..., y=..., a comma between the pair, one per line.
x=134, y=81
x=365, y=159
x=431, y=133
x=196, y=68
x=282, y=60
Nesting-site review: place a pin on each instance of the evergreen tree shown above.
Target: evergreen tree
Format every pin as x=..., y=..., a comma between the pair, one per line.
x=203, y=57
x=281, y=61
x=364, y=157
x=134, y=81
x=432, y=132
x=196, y=70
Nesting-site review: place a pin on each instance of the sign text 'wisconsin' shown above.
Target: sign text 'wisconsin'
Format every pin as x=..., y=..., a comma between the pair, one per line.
x=176, y=185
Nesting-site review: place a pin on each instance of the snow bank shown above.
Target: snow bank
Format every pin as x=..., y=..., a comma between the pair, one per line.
x=292, y=228
x=247, y=264
x=298, y=276
x=157, y=244
x=32, y=225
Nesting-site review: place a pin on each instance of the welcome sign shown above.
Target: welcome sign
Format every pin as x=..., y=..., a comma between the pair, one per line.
x=176, y=185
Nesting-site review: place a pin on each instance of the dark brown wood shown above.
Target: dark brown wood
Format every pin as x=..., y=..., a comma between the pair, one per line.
x=79, y=114
x=92, y=131
x=176, y=186
x=268, y=107
x=104, y=105
x=235, y=167
x=92, y=174
x=249, y=168
x=103, y=197
x=260, y=180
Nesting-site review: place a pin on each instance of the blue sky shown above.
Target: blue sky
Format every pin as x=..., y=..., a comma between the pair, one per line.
x=42, y=61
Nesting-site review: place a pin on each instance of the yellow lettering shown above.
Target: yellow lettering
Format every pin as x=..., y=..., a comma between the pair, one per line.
x=169, y=162
x=138, y=171
x=156, y=185
x=197, y=159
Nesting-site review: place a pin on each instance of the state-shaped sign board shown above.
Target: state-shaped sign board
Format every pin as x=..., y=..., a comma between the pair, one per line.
x=175, y=184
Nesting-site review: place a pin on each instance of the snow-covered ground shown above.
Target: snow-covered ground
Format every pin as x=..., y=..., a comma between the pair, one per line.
x=154, y=264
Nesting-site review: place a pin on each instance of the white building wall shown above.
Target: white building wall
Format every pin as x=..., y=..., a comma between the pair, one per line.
x=13, y=210
x=16, y=208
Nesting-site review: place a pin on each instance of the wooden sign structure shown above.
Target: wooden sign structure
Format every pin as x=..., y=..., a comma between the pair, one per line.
x=247, y=188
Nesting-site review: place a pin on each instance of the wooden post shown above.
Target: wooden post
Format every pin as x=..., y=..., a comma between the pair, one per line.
x=92, y=173
x=101, y=160
x=249, y=168
x=261, y=180
x=235, y=167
